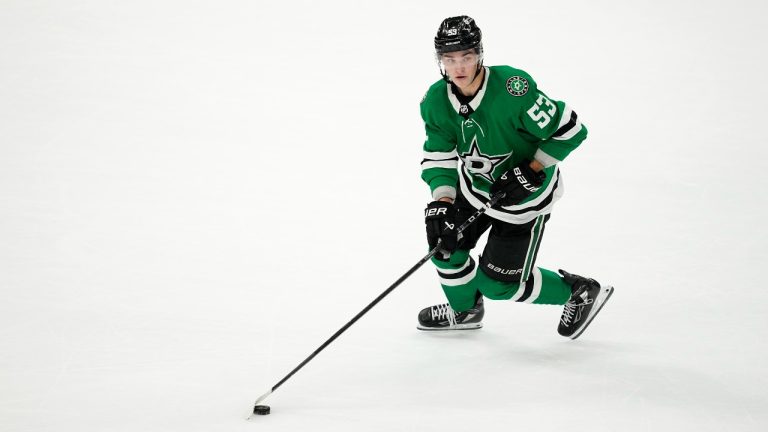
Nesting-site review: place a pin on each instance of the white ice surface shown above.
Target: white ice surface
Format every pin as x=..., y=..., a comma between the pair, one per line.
x=195, y=195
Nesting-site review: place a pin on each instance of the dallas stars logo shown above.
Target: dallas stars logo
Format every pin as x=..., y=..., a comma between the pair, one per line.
x=480, y=164
x=517, y=86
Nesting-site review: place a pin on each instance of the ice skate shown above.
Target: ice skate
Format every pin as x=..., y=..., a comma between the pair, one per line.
x=442, y=317
x=586, y=301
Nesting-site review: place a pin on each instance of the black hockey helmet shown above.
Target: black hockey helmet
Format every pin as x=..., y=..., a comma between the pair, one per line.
x=457, y=34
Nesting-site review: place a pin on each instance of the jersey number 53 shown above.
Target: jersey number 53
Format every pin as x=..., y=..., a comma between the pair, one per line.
x=538, y=114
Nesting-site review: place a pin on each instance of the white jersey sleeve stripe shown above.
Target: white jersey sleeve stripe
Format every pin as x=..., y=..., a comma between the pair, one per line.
x=570, y=133
x=568, y=126
x=566, y=117
x=440, y=155
x=439, y=164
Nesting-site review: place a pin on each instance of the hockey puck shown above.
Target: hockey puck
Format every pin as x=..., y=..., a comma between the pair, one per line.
x=261, y=409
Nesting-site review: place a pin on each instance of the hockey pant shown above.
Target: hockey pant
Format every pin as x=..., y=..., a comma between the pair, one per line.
x=506, y=268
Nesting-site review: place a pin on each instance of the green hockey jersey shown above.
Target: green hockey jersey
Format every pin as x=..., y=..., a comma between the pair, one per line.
x=509, y=120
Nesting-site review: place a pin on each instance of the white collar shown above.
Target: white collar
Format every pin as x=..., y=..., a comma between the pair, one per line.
x=475, y=102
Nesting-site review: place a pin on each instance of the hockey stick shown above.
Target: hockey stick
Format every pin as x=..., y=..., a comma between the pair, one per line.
x=386, y=292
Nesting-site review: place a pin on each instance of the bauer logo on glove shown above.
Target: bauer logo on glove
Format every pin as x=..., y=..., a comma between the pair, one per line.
x=518, y=184
x=430, y=212
x=440, y=218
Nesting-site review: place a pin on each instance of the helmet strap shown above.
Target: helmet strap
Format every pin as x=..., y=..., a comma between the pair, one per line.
x=445, y=77
x=477, y=73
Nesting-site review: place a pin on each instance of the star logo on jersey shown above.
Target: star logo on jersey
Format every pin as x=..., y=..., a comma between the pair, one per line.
x=517, y=85
x=481, y=164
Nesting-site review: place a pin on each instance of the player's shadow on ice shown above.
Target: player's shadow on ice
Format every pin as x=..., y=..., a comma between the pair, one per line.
x=633, y=373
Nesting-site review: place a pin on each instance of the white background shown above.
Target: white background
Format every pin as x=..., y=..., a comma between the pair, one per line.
x=195, y=195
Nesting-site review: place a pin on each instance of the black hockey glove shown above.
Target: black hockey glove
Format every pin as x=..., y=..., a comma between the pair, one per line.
x=518, y=184
x=440, y=217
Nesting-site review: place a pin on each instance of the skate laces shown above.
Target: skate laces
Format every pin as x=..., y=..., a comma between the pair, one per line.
x=572, y=310
x=443, y=311
x=569, y=312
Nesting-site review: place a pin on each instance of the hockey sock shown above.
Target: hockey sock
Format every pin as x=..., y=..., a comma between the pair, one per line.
x=542, y=287
x=456, y=276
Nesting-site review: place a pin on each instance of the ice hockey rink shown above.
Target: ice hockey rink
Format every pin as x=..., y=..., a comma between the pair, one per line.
x=195, y=195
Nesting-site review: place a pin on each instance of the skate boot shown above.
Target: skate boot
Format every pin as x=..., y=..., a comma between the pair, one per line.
x=443, y=317
x=586, y=301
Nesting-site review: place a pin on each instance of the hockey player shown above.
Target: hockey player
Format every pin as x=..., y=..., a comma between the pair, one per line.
x=490, y=130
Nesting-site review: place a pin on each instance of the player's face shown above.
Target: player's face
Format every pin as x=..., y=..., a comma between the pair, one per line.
x=460, y=66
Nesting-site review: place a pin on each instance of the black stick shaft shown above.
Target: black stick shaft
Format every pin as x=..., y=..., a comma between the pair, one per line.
x=386, y=292
x=358, y=316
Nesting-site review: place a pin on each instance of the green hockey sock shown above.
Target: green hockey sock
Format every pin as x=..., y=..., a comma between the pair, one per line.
x=456, y=275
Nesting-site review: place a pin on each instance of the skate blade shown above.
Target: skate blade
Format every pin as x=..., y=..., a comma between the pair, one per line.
x=607, y=292
x=472, y=326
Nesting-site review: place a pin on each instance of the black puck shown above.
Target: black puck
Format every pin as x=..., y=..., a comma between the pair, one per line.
x=261, y=409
